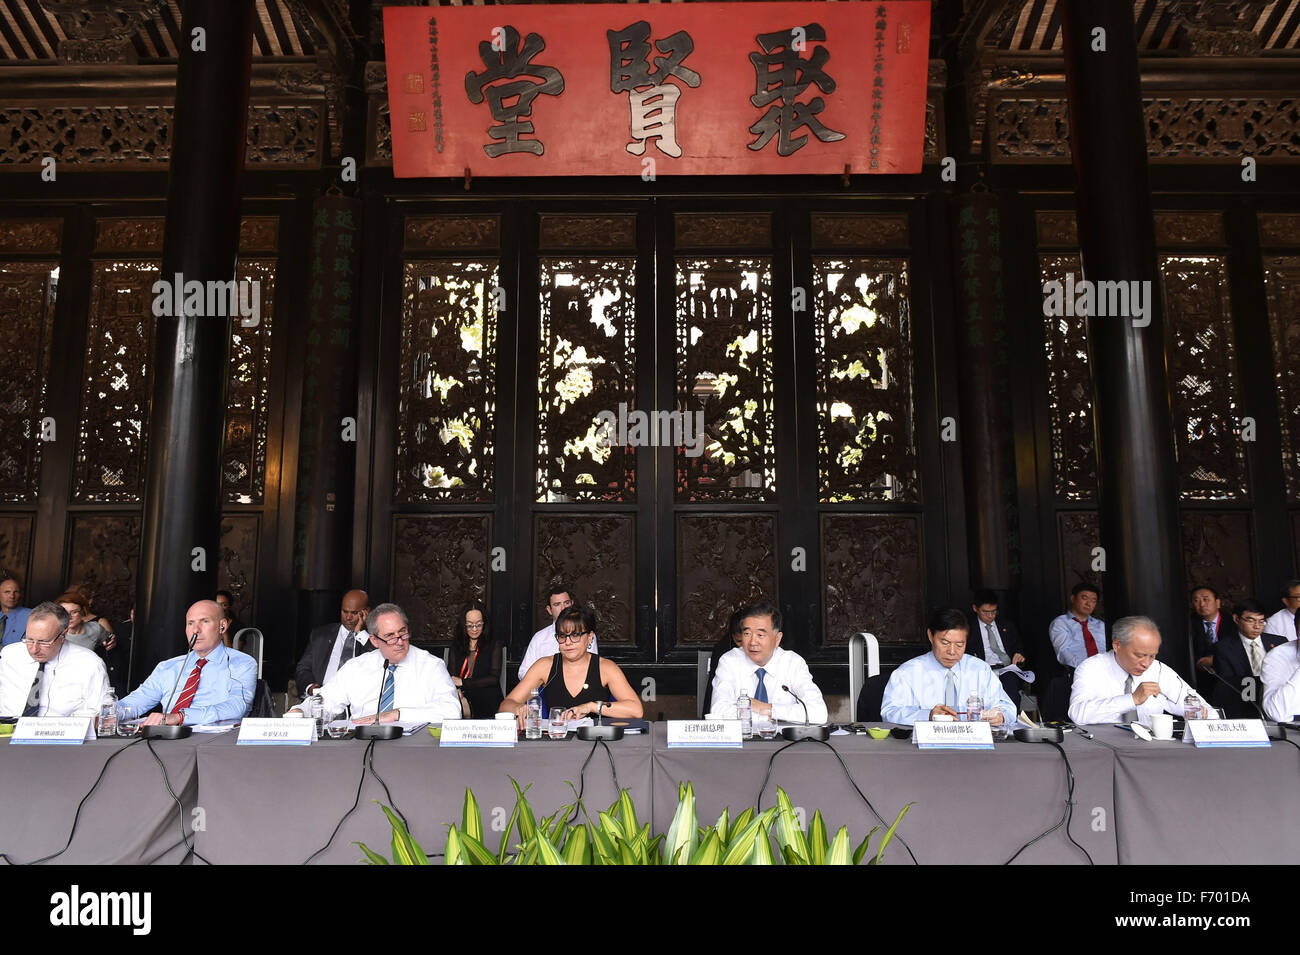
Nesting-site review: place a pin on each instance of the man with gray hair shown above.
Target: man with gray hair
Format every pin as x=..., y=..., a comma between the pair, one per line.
x=1128, y=683
x=45, y=675
x=1283, y=623
x=400, y=682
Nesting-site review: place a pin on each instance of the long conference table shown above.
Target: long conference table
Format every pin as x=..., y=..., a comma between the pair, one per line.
x=1134, y=802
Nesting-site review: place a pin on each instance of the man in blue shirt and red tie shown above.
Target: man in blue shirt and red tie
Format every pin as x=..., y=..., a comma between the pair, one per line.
x=209, y=683
x=1077, y=634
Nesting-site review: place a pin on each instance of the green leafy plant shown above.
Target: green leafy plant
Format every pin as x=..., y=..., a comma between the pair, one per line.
x=617, y=837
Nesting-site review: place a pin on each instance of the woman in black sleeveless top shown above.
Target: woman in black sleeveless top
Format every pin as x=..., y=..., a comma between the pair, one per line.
x=576, y=681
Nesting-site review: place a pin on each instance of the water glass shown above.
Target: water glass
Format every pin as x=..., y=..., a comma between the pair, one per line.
x=974, y=708
x=765, y=726
x=127, y=721
x=106, y=723
x=559, y=727
x=336, y=725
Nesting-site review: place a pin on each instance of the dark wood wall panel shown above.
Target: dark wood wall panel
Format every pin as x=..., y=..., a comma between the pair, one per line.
x=102, y=559
x=16, y=547
x=1078, y=533
x=1218, y=550
x=724, y=561
x=439, y=562
x=873, y=577
x=237, y=566
x=595, y=554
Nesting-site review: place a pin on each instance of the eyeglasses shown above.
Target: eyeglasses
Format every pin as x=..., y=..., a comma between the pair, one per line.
x=573, y=637
x=402, y=634
x=41, y=644
x=474, y=626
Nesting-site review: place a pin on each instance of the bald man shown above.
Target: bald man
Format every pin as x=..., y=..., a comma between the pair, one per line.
x=209, y=683
x=332, y=645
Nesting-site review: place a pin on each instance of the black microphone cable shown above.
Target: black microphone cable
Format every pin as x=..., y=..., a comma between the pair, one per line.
x=847, y=775
x=355, y=802
x=190, y=850
x=370, y=768
x=1066, y=817
x=77, y=816
x=582, y=777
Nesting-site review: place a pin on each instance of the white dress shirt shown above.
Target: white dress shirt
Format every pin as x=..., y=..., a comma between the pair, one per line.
x=736, y=672
x=75, y=683
x=422, y=688
x=542, y=645
x=1281, y=623
x=340, y=648
x=921, y=684
x=1100, y=695
x=1067, y=638
x=1281, y=681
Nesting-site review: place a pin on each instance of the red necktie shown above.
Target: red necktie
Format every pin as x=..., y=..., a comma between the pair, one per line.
x=191, y=687
x=1088, y=642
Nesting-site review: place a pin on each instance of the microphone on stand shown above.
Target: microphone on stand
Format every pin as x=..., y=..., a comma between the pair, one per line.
x=377, y=730
x=799, y=701
x=163, y=731
x=807, y=731
x=1280, y=732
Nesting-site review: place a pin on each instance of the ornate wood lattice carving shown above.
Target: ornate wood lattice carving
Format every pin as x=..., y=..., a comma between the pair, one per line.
x=1204, y=392
x=1295, y=538
x=724, y=372
x=129, y=236
x=596, y=554
x=1190, y=228
x=237, y=568
x=453, y=232
x=701, y=230
x=865, y=436
x=31, y=235
x=1057, y=230
x=27, y=293
x=724, y=561
x=1217, y=550
x=855, y=230
x=616, y=232
x=118, y=380
x=439, y=562
x=586, y=366
x=16, y=545
x=447, y=392
x=1282, y=284
x=259, y=234
x=248, y=393
x=1069, y=393
x=1279, y=229
x=873, y=577
x=102, y=559
x=1078, y=533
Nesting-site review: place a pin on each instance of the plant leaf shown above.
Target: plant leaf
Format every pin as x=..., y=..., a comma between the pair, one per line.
x=471, y=821
x=861, y=850
x=742, y=843
x=683, y=834
x=740, y=822
x=547, y=854
x=577, y=850
x=817, y=839
x=627, y=814
x=889, y=834
x=722, y=825
x=476, y=852
x=527, y=821
x=788, y=831
x=710, y=850
x=406, y=851
x=373, y=858
x=762, y=848
x=839, y=851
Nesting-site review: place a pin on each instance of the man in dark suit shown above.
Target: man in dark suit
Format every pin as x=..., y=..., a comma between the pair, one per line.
x=333, y=644
x=1239, y=658
x=996, y=641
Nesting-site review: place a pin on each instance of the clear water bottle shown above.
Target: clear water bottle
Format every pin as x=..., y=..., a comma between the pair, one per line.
x=106, y=724
x=745, y=713
x=974, y=708
x=533, y=717
x=1191, y=707
x=316, y=710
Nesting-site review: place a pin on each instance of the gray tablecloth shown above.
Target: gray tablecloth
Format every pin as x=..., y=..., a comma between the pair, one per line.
x=278, y=804
x=129, y=820
x=1179, y=804
x=977, y=807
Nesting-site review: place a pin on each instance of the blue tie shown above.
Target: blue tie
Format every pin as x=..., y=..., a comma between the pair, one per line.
x=760, y=692
x=386, y=697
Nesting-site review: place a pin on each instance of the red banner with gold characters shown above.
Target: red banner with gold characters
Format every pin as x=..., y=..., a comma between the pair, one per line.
x=662, y=89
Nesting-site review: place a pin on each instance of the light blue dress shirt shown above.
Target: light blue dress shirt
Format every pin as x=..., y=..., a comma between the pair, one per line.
x=15, y=626
x=225, y=688
x=1067, y=638
x=920, y=684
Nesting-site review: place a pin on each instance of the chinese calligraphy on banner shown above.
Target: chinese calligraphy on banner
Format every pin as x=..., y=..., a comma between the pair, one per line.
x=681, y=89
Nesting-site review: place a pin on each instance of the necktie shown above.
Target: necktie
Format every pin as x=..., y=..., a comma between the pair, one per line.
x=191, y=686
x=950, y=690
x=1209, y=630
x=1255, y=661
x=760, y=692
x=1088, y=641
x=386, y=696
x=1129, y=686
x=4, y=625
x=33, y=706
x=996, y=646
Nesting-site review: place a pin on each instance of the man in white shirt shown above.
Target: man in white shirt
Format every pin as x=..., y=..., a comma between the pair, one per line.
x=44, y=675
x=1283, y=623
x=331, y=645
x=1281, y=679
x=1077, y=634
x=940, y=682
x=774, y=679
x=543, y=644
x=400, y=682
x=1129, y=684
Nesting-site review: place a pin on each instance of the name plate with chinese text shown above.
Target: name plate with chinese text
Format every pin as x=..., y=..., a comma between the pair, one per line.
x=705, y=734
x=276, y=732
x=1210, y=733
x=68, y=730
x=495, y=733
x=955, y=735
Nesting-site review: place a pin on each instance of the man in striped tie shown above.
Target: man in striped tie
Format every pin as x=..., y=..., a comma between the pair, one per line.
x=209, y=683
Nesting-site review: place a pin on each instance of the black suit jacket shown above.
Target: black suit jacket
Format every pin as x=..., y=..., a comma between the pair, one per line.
x=1008, y=633
x=1231, y=663
x=316, y=658
x=1203, y=646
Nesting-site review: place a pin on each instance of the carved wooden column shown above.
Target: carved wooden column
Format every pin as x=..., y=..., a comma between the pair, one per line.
x=182, y=508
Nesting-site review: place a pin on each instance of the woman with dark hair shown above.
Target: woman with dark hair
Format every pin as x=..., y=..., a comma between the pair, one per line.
x=476, y=662
x=575, y=681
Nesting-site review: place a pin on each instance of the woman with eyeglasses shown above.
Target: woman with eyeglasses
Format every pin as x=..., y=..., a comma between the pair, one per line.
x=575, y=681
x=476, y=662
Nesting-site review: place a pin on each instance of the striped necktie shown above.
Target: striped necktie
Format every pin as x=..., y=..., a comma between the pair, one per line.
x=33, y=707
x=1255, y=662
x=386, y=696
x=191, y=687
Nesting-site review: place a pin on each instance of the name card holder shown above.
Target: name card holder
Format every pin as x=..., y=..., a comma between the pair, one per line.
x=276, y=732
x=62, y=730
x=496, y=734
x=955, y=735
x=704, y=734
x=1239, y=733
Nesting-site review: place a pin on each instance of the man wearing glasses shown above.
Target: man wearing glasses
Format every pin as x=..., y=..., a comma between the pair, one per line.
x=44, y=675
x=400, y=682
x=333, y=645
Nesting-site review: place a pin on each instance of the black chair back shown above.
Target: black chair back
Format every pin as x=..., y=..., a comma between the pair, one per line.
x=262, y=708
x=873, y=694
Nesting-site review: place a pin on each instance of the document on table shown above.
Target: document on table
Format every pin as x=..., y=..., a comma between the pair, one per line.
x=1026, y=675
x=221, y=726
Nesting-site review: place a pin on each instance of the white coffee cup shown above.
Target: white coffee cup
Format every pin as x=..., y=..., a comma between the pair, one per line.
x=1162, y=726
x=505, y=716
x=942, y=718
